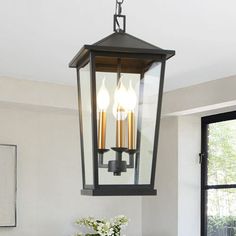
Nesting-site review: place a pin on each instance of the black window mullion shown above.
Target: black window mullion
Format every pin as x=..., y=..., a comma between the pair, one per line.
x=220, y=186
x=204, y=153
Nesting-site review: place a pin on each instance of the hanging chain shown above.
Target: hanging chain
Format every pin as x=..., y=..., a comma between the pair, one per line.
x=118, y=15
x=118, y=10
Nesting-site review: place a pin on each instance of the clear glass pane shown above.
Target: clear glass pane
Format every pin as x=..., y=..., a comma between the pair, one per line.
x=87, y=123
x=150, y=87
x=222, y=153
x=128, y=106
x=221, y=212
x=110, y=82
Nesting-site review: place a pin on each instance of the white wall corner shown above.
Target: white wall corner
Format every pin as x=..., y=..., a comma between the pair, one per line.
x=189, y=146
x=160, y=213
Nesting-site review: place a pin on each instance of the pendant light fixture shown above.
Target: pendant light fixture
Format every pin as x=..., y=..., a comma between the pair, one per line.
x=120, y=85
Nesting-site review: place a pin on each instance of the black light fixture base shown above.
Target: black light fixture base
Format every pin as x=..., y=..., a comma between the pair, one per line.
x=117, y=166
x=120, y=190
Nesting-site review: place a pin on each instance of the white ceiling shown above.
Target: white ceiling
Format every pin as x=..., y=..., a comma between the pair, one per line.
x=38, y=38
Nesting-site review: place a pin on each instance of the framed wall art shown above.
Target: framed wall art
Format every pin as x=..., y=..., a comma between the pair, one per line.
x=8, y=185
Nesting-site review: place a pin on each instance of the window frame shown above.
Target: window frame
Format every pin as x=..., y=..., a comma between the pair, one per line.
x=205, y=121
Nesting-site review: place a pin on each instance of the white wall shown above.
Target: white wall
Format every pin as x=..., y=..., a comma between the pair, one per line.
x=160, y=213
x=176, y=209
x=41, y=118
x=189, y=144
x=205, y=97
x=49, y=175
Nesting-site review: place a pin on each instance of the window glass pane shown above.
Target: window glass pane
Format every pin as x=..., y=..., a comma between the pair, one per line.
x=222, y=153
x=221, y=212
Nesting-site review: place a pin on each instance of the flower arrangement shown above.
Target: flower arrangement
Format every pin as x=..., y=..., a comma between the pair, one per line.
x=103, y=227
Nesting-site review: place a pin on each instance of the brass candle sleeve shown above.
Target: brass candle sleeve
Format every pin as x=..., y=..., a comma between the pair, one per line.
x=131, y=130
x=120, y=133
x=102, y=130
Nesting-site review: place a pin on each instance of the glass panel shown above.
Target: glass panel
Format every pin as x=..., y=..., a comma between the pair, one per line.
x=107, y=83
x=127, y=108
x=87, y=123
x=221, y=219
x=150, y=87
x=222, y=153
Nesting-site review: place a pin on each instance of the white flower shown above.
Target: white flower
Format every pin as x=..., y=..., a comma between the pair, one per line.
x=104, y=227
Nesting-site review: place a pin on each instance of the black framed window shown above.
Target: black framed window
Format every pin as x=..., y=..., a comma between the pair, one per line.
x=218, y=175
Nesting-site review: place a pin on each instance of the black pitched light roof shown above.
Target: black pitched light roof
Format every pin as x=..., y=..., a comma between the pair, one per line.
x=121, y=42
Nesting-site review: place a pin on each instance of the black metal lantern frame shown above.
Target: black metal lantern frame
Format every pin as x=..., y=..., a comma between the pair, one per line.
x=118, y=53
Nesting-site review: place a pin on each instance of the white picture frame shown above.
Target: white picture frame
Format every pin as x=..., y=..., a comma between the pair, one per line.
x=8, y=185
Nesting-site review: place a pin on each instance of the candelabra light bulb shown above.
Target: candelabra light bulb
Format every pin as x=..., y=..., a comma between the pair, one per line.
x=103, y=97
x=131, y=99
